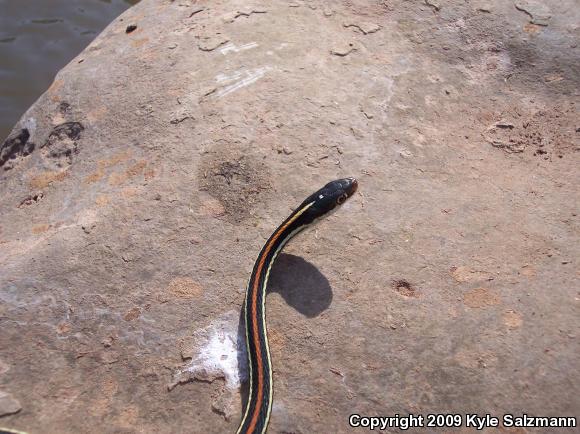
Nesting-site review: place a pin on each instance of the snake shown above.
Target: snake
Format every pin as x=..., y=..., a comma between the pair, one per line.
x=256, y=415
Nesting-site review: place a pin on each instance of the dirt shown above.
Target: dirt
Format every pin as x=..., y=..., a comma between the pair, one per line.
x=138, y=190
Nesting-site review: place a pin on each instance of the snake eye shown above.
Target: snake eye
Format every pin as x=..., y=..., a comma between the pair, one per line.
x=341, y=198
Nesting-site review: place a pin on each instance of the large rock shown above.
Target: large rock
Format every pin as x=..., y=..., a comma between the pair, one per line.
x=137, y=192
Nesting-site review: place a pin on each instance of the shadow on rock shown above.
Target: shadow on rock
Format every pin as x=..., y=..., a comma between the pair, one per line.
x=301, y=284
x=243, y=367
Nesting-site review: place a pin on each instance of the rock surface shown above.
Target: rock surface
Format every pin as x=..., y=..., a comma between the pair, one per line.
x=8, y=405
x=137, y=192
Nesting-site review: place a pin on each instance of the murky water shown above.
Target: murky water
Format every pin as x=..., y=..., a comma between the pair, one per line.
x=39, y=37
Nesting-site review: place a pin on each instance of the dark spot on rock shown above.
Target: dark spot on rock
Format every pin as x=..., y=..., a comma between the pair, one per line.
x=230, y=169
x=16, y=145
x=61, y=143
x=236, y=181
x=404, y=288
x=71, y=130
x=64, y=107
x=31, y=199
x=130, y=28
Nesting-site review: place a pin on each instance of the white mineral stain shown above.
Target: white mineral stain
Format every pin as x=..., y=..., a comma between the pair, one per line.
x=232, y=47
x=220, y=78
x=244, y=78
x=217, y=348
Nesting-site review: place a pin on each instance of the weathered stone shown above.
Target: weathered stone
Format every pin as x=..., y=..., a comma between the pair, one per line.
x=166, y=158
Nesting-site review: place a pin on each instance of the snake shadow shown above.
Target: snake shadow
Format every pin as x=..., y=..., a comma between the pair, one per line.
x=302, y=286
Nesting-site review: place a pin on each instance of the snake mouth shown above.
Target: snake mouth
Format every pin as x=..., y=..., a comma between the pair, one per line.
x=351, y=186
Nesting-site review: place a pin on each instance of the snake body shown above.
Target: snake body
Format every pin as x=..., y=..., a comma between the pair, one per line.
x=259, y=405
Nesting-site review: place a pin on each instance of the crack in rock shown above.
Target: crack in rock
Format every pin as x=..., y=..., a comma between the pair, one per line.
x=364, y=28
x=435, y=5
x=244, y=13
x=538, y=12
x=211, y=43
x=196, y=11
x=343, y=50
x=8, y=404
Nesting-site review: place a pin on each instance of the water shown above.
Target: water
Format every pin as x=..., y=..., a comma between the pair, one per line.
x=39, y=37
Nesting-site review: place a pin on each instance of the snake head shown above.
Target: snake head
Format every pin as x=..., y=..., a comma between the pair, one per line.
x=328, y=198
